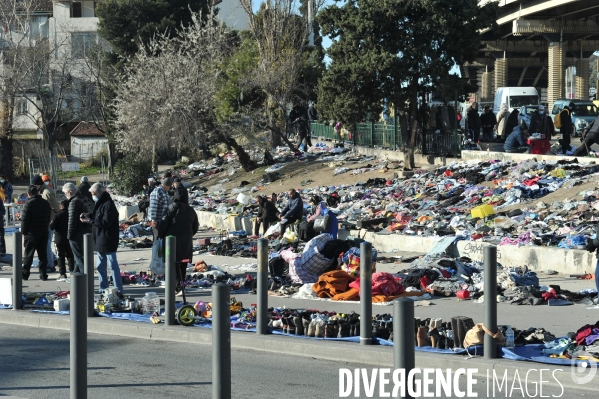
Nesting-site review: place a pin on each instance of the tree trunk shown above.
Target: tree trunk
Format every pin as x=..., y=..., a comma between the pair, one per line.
x=277, y=132
x=6, y=138
x=6, y=155
x=154, y=160
x=244, y=158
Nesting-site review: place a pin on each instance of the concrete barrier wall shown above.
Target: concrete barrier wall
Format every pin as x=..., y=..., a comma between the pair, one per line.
x=505, y=156
x=224, y=222
x=565, y=261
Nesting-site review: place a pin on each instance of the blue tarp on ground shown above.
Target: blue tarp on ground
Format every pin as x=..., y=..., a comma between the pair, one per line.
x=530, y=353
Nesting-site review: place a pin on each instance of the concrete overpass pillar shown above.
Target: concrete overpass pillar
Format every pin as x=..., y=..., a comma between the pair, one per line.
x=500, y=73
x=582, y=79
x=487, y=87
x=555, y=81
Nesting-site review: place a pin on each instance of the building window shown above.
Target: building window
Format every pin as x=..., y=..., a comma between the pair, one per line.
x=21, y=107
x=81, y=43
x=76, y=10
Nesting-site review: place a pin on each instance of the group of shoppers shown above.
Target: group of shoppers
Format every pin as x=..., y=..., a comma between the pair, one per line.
x=86, y=209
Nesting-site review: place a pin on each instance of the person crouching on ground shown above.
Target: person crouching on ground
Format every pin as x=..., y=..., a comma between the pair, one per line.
x=516, y=141
x=105, y=225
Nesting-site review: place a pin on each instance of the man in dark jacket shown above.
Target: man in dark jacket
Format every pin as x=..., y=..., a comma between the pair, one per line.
x=105, y=223
x=83, y=188
x=536, y=121
x=35, y=220
x=76, y=227
x=293, y=211
x=488, y=121
x=590, y=137
x=60, y=225
x=567, y=127
x=473, y=122
x=180, y=221
x=516, y=141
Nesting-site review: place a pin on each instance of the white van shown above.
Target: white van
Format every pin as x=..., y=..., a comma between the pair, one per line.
x=515, y=97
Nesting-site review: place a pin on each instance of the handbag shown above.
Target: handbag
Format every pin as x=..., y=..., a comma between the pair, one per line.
x=322, y=223
x=476, y=336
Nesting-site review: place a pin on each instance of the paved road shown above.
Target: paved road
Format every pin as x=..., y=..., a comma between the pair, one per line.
x=35, y=365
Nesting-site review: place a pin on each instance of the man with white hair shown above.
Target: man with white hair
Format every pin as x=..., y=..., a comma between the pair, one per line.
x=105, y=223
x=150, y=187
x=77, y=223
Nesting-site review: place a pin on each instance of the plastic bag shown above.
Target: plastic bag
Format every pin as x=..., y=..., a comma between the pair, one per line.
x=289, y=236
x=273, y=229
x=243, y=199
x=157, y=263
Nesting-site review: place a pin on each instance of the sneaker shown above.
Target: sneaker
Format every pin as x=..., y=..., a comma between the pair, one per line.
x=62, y=277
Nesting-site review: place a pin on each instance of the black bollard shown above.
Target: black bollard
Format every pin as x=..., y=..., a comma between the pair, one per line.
x=170, y=279
x=78, y=312
x=221, y=341
x=366, y=293
x=490, y=276
x=17, y=272
x=404, y=354
x=262, y=288
x=88, y=268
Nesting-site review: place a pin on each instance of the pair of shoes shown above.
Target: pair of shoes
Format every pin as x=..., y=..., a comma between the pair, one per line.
x=62, y=277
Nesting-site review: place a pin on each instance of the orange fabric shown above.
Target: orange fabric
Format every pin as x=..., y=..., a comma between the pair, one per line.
x=353, y=293
x=332, y=283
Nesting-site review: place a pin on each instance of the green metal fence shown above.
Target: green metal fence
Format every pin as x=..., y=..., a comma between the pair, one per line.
x=384, y=135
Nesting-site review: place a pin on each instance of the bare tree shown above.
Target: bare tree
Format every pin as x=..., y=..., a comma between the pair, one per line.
x=94, y=94
x=281, y=35
x=165, y=98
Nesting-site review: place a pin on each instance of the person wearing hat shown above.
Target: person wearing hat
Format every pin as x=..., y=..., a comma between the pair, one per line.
x=159, y=202
x=7, y=188
x=516, y=142
x=35, y=220
x=567, y=127
x=47, y=193
x=177, y=186
x=84, y=187
x=488, y=122
x=181, y=221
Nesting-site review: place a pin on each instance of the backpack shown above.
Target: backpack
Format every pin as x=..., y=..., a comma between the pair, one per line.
x=557, y=121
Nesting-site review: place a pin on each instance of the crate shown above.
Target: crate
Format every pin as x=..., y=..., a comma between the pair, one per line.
x=204, y=241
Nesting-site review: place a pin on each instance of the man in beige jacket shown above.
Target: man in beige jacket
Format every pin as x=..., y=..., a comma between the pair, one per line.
x=48, y=193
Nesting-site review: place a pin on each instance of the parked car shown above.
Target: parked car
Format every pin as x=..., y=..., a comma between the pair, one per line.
x=526, y=112
x=585, y=113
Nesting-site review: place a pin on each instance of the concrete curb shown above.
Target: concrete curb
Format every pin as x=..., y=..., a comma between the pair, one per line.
x=337, y=351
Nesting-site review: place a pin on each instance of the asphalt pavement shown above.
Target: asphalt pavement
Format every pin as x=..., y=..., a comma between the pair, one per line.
x=35, y=365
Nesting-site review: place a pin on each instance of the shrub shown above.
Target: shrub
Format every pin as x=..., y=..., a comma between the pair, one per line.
x=131, y=173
